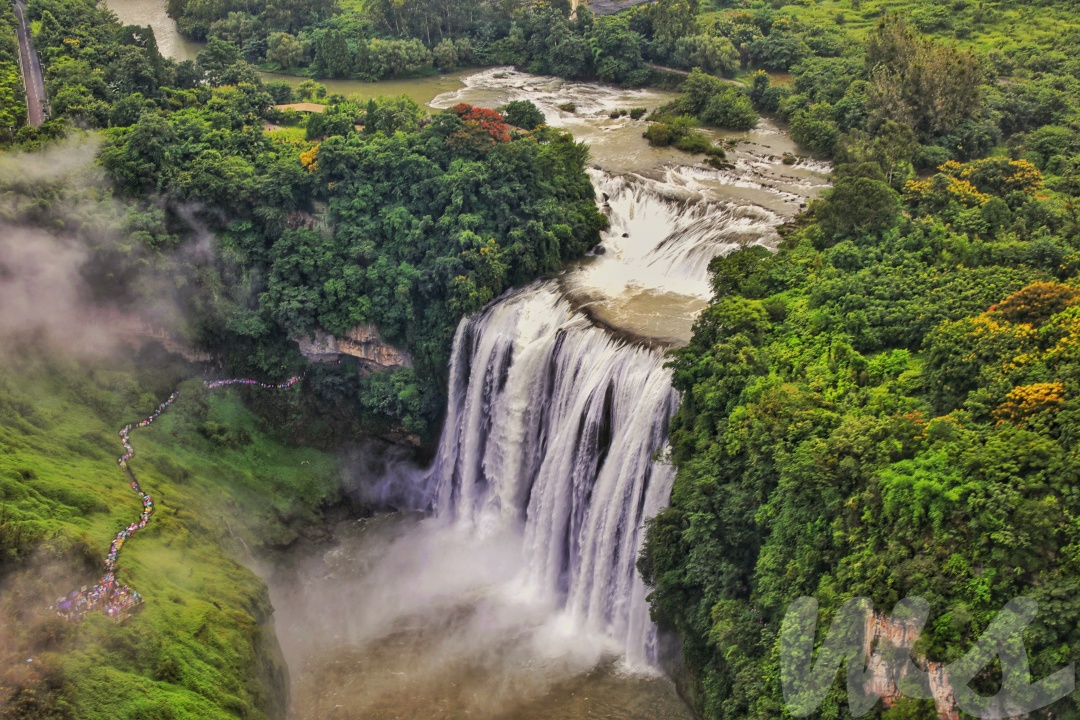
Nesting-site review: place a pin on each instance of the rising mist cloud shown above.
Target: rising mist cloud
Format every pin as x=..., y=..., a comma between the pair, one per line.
x=70, y=274
x=43, y=295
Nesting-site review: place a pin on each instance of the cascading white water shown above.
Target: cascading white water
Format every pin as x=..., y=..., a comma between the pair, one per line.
x=663, y=235
x=552, y=428
x=555, y=425
x=519, y=599
x=551, y=458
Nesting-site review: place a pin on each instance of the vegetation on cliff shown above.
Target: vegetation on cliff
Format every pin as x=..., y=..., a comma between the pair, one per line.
x=883, y=407
x=222, y=485
x=381, y=214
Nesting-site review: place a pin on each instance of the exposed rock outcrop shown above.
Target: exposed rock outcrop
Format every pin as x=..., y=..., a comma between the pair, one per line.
x=884, y=629
x=362, y=343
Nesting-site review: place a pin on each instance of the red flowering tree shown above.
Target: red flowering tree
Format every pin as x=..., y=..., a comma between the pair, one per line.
x=481, y=130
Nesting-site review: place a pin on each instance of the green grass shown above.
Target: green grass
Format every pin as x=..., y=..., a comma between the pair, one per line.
x=222, y=486
x=985, y=25
x=294, y=134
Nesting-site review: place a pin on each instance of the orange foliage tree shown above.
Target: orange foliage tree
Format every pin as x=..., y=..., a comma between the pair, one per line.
x=1024, y=401
x=1035, y=303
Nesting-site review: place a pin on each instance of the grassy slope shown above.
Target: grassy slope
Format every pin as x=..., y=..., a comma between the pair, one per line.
x=987, y=25
x=196, y=649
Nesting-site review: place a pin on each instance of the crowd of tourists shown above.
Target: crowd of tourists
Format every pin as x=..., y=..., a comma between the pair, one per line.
x=214, y=384
x=108, y=595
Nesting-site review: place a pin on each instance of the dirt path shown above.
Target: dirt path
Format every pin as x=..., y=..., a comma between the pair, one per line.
x=684, y=73
x=33, y=79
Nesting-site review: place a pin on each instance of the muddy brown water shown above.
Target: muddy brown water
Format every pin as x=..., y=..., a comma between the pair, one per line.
x=407, y=617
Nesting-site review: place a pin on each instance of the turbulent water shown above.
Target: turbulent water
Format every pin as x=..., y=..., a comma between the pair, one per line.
x=552, y=430
x=513, y=594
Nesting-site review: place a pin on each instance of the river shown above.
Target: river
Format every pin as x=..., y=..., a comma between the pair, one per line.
x=516, y=598
x=510, y=593
x=172, y=44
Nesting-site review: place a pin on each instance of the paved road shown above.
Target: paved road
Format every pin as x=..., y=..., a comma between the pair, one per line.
x=610, y=7
x=33, y=79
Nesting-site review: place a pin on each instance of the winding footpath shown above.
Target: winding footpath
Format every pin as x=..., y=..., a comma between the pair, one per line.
x=114, y=599
x=33, y=78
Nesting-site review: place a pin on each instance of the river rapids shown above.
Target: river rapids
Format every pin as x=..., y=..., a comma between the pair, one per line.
x=511, y=591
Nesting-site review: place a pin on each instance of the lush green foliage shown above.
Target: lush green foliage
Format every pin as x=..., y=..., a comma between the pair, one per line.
x=522, y=114
x=409, y=224
x=12, y=104
x=714, y=102
x=199, y=648
x=940, y=94
x=882, y=407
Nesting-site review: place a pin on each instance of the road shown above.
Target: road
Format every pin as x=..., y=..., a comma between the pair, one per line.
x=610, y=7
x=684, y=73
x=33, y=79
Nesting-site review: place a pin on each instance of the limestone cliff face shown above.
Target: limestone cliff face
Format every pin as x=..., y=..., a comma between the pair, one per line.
x=362, y=342
x=883, y=629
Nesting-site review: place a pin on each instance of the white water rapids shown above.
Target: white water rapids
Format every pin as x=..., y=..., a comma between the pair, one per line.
x=552, y=429
x=518, y=596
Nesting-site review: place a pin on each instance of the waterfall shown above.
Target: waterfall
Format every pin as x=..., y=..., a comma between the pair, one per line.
x=663, y=233
x=555, y=418
x=555, y=426
x=552, y=428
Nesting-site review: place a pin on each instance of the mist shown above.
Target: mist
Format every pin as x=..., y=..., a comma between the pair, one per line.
x=75, y=274
x=403, y=614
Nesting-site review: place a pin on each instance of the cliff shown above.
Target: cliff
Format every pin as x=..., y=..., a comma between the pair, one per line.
x=882, y=629
x=362, y=343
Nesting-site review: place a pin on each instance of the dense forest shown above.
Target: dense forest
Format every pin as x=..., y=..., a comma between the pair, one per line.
x=166, y=191
x=884, y=407
x=378, y=213
x=12, y=106
x=881, y=408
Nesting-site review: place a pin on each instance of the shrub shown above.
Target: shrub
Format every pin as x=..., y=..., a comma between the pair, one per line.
x=730, y=109
x=522, y=114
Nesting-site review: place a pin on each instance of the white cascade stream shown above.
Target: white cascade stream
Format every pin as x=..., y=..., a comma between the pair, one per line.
x=558, y=413
x=552, y=429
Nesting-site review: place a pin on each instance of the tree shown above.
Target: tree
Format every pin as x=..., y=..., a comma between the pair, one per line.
x=730, y=109
x=127, y=110
x=617, y=51
x=389, y=115
x=332, y=55
x=778, y=50
x=445, y=55
x=671, y=20
x=700, y=87
x=522, y=114
x=285, y=50
x=856, y=208
x=814, y=128
x=715, y=55
x=913, y=81
x=214, y=58
x=337, y=119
